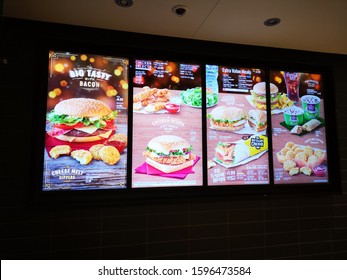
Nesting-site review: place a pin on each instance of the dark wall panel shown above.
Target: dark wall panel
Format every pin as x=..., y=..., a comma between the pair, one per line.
x=263, y=227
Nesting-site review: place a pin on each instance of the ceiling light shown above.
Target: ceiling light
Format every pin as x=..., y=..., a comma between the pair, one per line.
x=124, y=3
x=272, y=21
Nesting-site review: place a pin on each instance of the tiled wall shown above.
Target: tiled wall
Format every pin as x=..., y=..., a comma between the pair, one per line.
x=283, y=227
x=268, y=228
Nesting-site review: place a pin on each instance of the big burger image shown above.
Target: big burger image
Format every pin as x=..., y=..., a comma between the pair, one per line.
x=81, y=120
x=259, y=96
x=169, y=153
x=227, y=118
x=257, y=120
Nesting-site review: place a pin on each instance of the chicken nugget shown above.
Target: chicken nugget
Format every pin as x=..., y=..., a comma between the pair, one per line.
x=284, y=151
x=290, y=155
x=294, y=171
x=95, y=151
x=289, y=145
x=301, y=156
x=289, y=164
x=308, y=151
x=312, y=159
x=306, y=170
x=82, y=156
x=60, y=150
x=318, y=153
x=298, y=150
x=109, y=154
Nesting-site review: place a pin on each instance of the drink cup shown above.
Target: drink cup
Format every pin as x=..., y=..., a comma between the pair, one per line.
x=292, y=81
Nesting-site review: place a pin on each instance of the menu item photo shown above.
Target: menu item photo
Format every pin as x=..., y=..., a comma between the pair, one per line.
x=151, y=100
x=298, y=136
x=230, y=154
x=86, y=122
x=169, y=153
x=237, y=143
x=167, y=118
x=82, y=120
x=227, y=118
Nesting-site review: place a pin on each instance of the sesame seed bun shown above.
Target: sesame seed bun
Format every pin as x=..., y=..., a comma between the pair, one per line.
x=82, y=107
x=260, y=88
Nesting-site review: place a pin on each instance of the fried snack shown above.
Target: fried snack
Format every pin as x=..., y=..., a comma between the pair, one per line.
x=284, y=151
x=143, y=95
x=312, y=159
x=294, y=147
x=281, y=158
x=308, y=151
x=301, y=156
x=294, y=171
x=155, y=107
x=137, y=106
x=162, y=93
x=289, y=164
x=318, y=153
x=95, y=151
x=109, y=155
x=298, y=150
x=284, y=101
x=306, y=170
x=151, y=99
x=290, y=155
x=289, y=145
x=82, y=156
x=119, y=137
x=60, y=150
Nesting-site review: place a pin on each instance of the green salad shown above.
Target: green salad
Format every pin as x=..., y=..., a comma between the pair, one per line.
x=193, y=97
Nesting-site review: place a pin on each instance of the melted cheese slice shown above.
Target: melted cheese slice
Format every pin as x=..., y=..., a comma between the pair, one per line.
x=88, y=129
x=72, y=138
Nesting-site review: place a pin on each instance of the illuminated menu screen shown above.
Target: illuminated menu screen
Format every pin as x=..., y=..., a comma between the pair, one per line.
x=298, y=128
x=167, y=124
x=237, y=142
x=86, y=127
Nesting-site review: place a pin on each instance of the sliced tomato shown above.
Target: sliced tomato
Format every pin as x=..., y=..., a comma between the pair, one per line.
x=109, y=124
x=67, y=127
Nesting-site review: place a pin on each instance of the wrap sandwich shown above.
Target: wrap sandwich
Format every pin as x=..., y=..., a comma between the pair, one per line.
x=230, y=154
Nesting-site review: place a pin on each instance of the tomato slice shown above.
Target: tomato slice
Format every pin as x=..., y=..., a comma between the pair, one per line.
x=109, y=124
x=68, y=127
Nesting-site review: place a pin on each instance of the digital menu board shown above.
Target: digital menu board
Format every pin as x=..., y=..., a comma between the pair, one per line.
x=167, y=124
x=237, y=142
x=86, y=122
x=298, y=129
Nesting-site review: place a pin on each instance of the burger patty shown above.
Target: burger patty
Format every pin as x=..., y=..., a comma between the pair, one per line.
x=173, y=160
x=79, y=133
